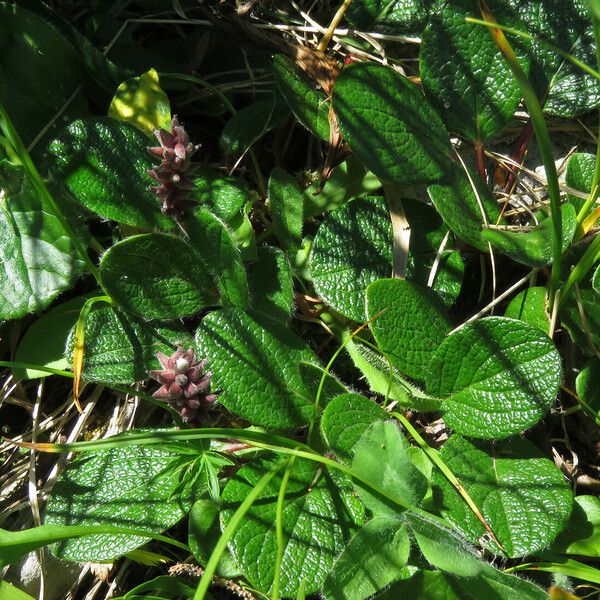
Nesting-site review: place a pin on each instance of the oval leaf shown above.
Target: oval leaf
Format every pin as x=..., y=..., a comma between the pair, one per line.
x=345, y=419
x=531, y=306
x=142, y=102
x=374, y=558
x=258, y=371
x=128, y=486
x=411, y=324
x=498, y=377
x=534, y=247
x=37, y=258
x=40, y=71
x=463, y=72
x=157, y=276
x=390, y=126
x=315, y=526
x=523, y=496
x=466, y=204
x=309, y=106
x=382, y=458
x=104, y=164
x=121, y=349
x=353, y=248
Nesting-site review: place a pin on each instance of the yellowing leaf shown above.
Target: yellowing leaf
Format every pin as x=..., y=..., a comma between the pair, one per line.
x=142, y=102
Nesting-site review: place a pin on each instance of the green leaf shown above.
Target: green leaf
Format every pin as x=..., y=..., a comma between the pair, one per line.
x=345, y=419
x=128, y=486
x=316, y=526
x=246, y=126
x=224, y=196
x=596, y=280
x=497, y=376
x=121, y=349
x=257, y=369
x=579, y=176
x=530, y=306
x=53, y=327
x=40, y=71
x=10, y=592
x=490, y=584
x=568, y=90
x=104, y=163
x=411, y=324
x=390, y=126
x=381, y=458
x=581, y=536
x=587, y=384
x=443, y=548
x=353, y=248
x=173, y=283
x=523, y=496
x=270, y=279
x=584, y=335
x=142, y=102
x=564, y=566
x=403, y=16
x=309, y=106
x=213, y=242
x=37, y=258
x=349, y=180
x=287, y=204
x=15, y=544
x=374, y=558
x=204, y=532
x=475, y=91
x=464, y=209
x=534, y=248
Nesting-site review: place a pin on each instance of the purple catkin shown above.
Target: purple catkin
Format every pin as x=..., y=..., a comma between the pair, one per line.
x=184, y=383
x=172, y=175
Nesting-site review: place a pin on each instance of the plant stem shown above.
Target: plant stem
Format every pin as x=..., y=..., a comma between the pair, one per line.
x=450, y=476
x=42, y=190
x=311, y=427
x=400, y=228
x=279, y=527
x=543, y=140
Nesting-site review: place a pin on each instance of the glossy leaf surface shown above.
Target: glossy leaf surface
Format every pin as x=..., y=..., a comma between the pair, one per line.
x=498, y=377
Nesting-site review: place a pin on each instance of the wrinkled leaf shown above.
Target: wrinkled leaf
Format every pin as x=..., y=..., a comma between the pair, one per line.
x=257, y=369
x=270, y=278
x=411, y=324
x=390, y=126
x=523, y=496
x=121, y=349
x=498, y=377
x=309, y=106
x=38, y=261
x=463, y=72
x=104, y=163
x=129, y=486
x=157, y=276
x=316, y=526
x=345, y=419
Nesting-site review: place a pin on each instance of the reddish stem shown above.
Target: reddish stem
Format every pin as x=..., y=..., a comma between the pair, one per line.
x=480, y=159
